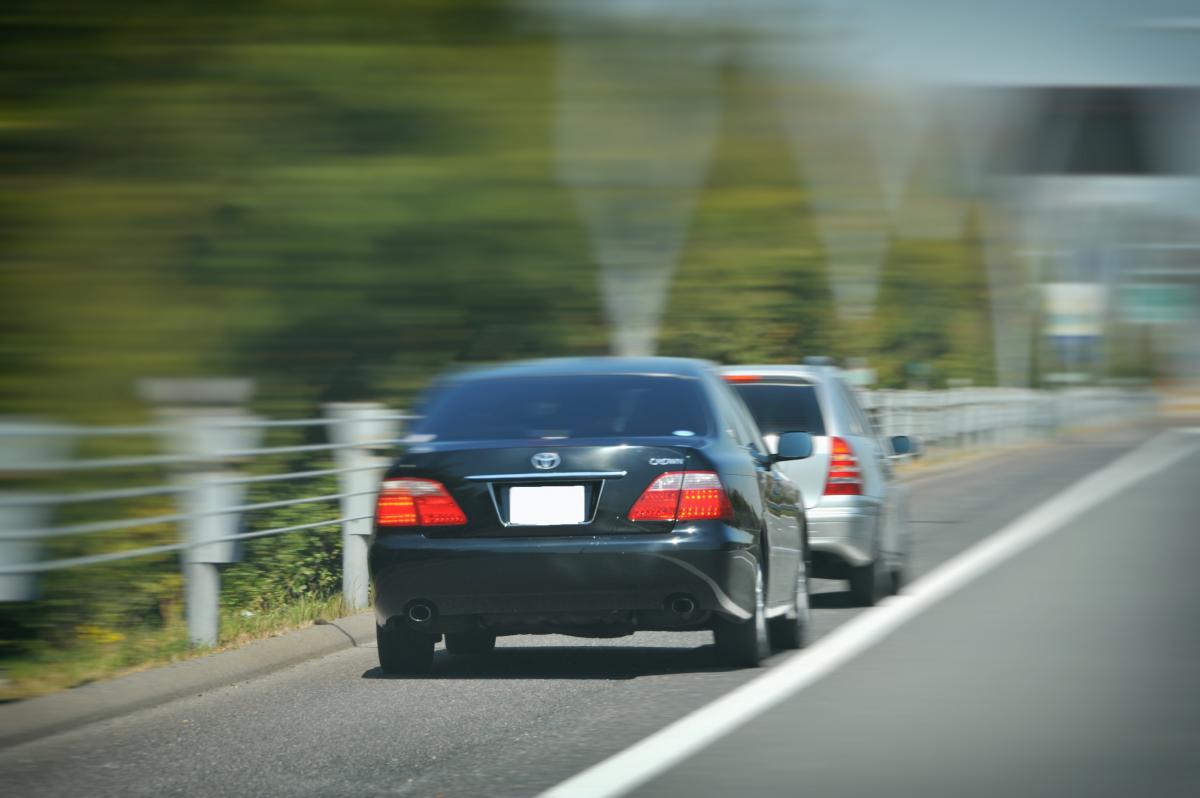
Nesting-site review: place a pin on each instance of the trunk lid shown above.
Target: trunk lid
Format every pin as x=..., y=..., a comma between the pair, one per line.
x=592, y=484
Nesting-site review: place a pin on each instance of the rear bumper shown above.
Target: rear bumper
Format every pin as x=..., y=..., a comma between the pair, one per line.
x=514, y=578
x=848, y=533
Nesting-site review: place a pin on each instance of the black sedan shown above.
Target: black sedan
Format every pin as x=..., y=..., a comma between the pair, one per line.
x=592, y=497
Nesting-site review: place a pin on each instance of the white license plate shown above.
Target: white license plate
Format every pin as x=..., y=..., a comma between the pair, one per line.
x=546, y=505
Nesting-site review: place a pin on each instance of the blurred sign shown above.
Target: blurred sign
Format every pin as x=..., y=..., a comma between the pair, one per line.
x=859, y=377
x=1156, y=303
x=1096, y=130
x=1067, y=378
x=1073, y=310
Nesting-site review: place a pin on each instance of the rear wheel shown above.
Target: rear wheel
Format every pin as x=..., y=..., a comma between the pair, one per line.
x=792, y=633
x=745, y=642
x=402, y=650
x=869, y=583
x=470, y=643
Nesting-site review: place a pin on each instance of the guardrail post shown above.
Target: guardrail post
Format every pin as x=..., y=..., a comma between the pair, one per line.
x=25, y=443
x=956, y=426
x=366, y=433
x=204, y=424
x=870, y=405
x=883, y=412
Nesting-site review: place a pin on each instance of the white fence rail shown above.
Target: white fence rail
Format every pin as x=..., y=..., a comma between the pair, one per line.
x=986, y=417
x=208, y=454
x=205, y=471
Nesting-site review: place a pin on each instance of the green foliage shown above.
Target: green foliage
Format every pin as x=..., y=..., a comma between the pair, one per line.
x=343, y=200
x=934, y=310
x=284, y=569
x=338, y=201
x=751, y=285
x=1132, y=353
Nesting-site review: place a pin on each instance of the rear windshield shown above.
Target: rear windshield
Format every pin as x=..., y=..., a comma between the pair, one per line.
x=781, y=407
x=576, y=406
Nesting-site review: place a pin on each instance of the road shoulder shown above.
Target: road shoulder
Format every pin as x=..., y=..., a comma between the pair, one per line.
x=22, y=721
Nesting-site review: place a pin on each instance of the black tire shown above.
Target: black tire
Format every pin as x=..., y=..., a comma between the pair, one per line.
x=869, y=583
x=403, y=650
x=745, y=642
x=898, y=579
x=470, y=643
x=792, y=633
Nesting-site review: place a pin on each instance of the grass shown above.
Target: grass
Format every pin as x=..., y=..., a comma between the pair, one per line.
x=238, y=628
x=101, y=653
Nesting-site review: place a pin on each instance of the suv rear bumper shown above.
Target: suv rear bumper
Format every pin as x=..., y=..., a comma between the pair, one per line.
x=848, y=533
x=539, y=578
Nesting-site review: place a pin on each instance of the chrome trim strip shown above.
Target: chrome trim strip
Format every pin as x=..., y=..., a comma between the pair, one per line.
x=852, y=554
x=542, y=476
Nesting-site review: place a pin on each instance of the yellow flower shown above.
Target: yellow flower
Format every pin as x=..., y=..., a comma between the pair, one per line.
x=98, y=634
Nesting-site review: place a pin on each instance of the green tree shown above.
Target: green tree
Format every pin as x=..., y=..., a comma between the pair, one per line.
x=751, y=284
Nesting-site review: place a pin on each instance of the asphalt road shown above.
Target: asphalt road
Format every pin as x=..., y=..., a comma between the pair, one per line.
x=1069, y=670
x=543, y=709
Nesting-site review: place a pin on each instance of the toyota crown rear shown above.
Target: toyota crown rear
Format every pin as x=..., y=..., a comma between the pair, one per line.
x=588, y=497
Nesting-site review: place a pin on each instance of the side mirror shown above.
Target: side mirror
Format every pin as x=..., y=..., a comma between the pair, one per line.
x=905, y=446
x=794, y=446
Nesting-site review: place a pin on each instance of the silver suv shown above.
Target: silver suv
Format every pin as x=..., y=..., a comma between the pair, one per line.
x=857, y=511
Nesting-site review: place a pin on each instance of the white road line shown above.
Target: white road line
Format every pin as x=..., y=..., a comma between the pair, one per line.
x=662, y=750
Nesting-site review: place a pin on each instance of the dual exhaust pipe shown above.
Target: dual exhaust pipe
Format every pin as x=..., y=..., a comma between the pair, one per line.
x=683, y=606
x=421, y=612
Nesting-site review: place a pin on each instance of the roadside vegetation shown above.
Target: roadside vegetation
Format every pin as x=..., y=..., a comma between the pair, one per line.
x=92, y=653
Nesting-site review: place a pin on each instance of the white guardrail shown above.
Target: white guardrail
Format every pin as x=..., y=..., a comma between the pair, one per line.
x=988, y=417
x=205, y=457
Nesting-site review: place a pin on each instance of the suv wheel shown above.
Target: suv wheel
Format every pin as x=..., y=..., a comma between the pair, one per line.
x=402, y=650
x=869, y=583
x=745, y=642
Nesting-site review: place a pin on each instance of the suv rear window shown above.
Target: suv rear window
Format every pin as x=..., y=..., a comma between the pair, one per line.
x=569, y=406
x=783, y=407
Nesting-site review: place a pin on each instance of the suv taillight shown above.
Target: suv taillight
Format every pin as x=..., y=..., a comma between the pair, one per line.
x=683, y=496
x=845, y=478
x=417, y=502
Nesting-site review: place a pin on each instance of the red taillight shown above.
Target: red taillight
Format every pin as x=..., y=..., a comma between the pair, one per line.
x=660, y=501
x=417, y=502
x=740, y=377
x=844, y=477
x=683, y=496
x=703, y=497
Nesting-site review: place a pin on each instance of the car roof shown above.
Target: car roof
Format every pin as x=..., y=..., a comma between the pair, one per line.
x=566, y=366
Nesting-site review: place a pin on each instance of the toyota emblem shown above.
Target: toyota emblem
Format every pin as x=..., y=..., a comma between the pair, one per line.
x=544, y=461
